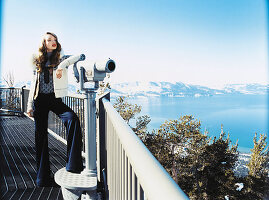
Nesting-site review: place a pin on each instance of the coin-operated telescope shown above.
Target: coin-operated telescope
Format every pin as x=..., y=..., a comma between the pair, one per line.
x=90, y=71
x=96, y=71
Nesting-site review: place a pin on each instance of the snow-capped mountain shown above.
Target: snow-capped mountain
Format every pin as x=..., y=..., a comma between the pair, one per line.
x=170, y=89
x=2, y=84
x=247, y=88
x=17, y=84
x=179, y=89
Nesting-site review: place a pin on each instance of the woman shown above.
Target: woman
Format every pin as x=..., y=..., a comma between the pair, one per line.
x=49, y=84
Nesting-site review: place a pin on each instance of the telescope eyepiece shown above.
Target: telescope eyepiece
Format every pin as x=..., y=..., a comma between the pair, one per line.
x=82, y=57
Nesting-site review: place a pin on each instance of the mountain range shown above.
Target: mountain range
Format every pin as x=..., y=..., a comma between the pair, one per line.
x=179, y=89
x=171, y=89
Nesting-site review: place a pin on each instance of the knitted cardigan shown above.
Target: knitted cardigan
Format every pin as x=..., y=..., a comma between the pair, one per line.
x=60, y=85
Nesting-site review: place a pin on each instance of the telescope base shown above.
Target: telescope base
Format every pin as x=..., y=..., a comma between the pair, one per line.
x=73, y=185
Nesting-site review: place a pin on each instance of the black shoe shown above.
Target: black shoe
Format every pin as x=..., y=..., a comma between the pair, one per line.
x=48, y=183
x=54, y=184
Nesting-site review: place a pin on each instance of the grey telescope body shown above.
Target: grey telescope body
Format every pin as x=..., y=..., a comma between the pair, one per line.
x=96, y=71
x=92, y=71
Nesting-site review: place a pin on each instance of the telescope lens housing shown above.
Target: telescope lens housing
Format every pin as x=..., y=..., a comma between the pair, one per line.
x=111, y=66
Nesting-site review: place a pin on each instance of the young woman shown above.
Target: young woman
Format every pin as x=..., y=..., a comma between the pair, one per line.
x=49, y=84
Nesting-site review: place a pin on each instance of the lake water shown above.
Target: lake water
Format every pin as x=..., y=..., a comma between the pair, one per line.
x=241, y=115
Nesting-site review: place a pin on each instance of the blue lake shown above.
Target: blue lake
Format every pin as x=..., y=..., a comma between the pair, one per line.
x=241, y=115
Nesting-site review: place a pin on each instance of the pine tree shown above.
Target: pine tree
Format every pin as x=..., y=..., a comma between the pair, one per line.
x=128, y=112
x=259, y=157
x=202, y=168
x=218, y=160
x=257, y=182
x=171, y=141
x=209, y=167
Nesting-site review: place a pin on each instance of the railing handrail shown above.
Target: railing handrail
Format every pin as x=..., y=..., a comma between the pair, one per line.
x=76, y=95
x=10, y=88
x=155, y=180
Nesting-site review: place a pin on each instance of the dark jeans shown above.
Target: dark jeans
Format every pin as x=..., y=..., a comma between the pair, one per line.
x=42, y=105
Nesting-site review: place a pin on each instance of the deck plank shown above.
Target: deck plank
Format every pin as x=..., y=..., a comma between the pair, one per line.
x=17, y=158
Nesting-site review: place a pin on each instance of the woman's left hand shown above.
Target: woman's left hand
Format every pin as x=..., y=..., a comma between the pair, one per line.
x=59, y=73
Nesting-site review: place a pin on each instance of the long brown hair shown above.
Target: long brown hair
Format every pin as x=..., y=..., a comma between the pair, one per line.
x=41, y=59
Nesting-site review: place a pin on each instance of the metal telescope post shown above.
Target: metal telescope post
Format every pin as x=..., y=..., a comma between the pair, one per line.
x=90, y=130
x=73, y=185
x=90, y=126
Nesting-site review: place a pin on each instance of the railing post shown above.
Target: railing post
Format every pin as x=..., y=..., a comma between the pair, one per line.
x=1, y=97
x=22, y=99
x=101, y=145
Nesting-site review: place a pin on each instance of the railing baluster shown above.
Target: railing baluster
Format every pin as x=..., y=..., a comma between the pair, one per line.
x=109, y=154
x=111, y=162
x=108, y=151
x=126, y=176
x=122, y=173
x=141, y=193
x=133, y=185
x=129, y=181
x=114, y=167
x=119, y=169
x=138, y=189
x=116, y=164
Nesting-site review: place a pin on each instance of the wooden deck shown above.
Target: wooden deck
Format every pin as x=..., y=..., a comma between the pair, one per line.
x=17, y=160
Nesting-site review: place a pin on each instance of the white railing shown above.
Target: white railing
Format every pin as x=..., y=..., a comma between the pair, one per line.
x=132, y=171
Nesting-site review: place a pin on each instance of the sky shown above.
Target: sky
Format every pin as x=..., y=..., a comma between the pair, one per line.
x=204, y=42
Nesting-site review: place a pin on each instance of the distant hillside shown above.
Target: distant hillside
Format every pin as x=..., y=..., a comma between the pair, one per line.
x=2, y=84
x=169, y=89
x=180, y=89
